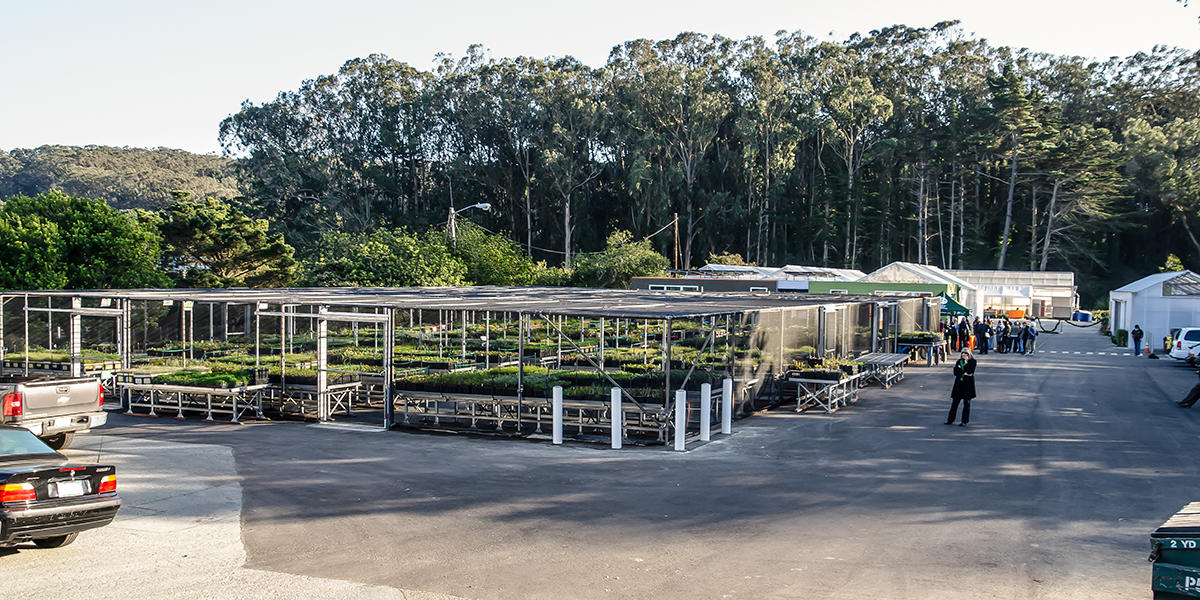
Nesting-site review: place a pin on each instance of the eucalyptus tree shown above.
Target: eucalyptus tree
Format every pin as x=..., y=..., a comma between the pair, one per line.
x=1083, y=173
x=574, y=114
x=770, y=97
x=511, y=103
x=1014, y=121
x=852, y=111
x=674, y=92
x=1172, y=153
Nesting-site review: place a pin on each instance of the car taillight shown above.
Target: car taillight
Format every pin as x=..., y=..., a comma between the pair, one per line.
x=14, y=405
x=17, y=492
x=1178, y=344
x=107, y=484
x=101, y=396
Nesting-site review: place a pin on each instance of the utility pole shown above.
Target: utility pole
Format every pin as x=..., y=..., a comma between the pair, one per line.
x=676, y=222
x=451, y=228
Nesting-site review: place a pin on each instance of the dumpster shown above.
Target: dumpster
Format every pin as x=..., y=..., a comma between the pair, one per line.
x=1175, y=552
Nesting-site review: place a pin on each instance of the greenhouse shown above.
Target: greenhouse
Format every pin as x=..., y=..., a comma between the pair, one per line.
x=509, y=361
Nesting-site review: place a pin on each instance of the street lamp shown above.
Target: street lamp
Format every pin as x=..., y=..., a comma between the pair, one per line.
x=451, y=231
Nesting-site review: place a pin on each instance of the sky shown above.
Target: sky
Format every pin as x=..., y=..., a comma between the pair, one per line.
x=154, y=73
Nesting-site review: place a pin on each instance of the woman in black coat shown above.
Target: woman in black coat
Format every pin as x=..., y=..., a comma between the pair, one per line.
x=964, y=388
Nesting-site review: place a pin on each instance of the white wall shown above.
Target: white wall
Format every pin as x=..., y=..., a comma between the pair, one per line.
x=1155, y=313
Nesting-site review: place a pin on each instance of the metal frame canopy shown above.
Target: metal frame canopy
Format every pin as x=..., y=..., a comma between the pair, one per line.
x=682, y=334
x=635, y=304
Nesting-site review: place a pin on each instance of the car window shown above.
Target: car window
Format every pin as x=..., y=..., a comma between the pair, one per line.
x=20, y=441
x=1192, y=335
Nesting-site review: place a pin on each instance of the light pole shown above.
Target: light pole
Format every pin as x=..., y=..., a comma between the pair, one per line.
x=451, y=230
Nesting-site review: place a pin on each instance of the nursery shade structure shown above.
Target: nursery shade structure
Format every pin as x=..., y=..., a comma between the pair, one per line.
x=677, y=341
x=634, y=304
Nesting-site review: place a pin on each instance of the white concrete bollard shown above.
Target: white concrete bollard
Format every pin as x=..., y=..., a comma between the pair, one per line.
x=705, y=411
x=727, y=406
x=618, y=419
x=680, y=419
x=556, y=408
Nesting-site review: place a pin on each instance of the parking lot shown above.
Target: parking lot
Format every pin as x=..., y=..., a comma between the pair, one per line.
x=1069, y=462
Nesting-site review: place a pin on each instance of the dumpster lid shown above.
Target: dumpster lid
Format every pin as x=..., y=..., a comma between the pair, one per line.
x=1185, y=523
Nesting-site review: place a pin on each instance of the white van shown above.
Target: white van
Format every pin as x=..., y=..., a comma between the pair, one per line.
x=1185, y=344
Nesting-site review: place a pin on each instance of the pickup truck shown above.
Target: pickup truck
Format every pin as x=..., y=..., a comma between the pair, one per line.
x=54, y=409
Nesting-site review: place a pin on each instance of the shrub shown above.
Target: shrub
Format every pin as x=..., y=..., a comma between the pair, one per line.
x=1121, y=337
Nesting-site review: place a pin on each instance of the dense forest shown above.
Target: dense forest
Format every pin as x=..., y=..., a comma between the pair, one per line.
x=919, y=144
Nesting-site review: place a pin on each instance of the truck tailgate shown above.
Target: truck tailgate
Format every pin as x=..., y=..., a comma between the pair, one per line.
x=59, y=397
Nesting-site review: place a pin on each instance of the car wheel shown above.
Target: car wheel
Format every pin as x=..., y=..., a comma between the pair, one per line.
x=57, y=541
x=60, y=441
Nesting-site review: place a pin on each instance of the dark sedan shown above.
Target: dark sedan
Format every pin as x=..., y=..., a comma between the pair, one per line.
x=45, y=499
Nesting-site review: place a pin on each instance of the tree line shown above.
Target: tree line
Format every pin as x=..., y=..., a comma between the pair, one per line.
x=918, y=144
x=57, y=241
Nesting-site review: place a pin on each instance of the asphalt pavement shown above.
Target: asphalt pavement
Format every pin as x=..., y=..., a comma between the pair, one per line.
x=1069, y=462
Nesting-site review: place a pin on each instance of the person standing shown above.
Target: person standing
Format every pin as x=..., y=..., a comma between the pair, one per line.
x=964, y=334
x=1031, y=338
x=981, y=337
x=1137, y=334
x=964, y=388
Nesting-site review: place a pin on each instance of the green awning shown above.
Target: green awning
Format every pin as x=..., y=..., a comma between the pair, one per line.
x=951, y=308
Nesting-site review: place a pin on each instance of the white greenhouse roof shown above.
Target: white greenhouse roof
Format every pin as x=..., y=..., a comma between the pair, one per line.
x=906, y=272
x=1150, y=281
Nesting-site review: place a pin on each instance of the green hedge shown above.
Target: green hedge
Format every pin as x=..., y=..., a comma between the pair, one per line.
x=1121, y=337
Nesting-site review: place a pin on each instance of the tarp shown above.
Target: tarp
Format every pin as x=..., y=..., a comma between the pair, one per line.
x=950, y=308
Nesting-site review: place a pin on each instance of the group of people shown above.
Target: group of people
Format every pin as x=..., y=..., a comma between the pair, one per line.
x=984, y=335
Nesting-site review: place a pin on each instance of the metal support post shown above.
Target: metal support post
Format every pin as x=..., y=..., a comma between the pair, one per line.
x=601, y=346
x=617, y=418
x=667, y=363
x=645, y=341
x=729, y=345
x=821, y=341
x=705, y=411
x=680, y=419
x=75, y=338
x=556, y=407
x=389, y=339
x=487, y=339
x=27, y=335
x=727, y=406
x=322, y=360
x=873, y=309
x=2, y=335
x=520, y=367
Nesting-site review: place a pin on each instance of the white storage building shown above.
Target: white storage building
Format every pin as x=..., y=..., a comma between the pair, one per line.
x=1038, y=293
x=1158, y=303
